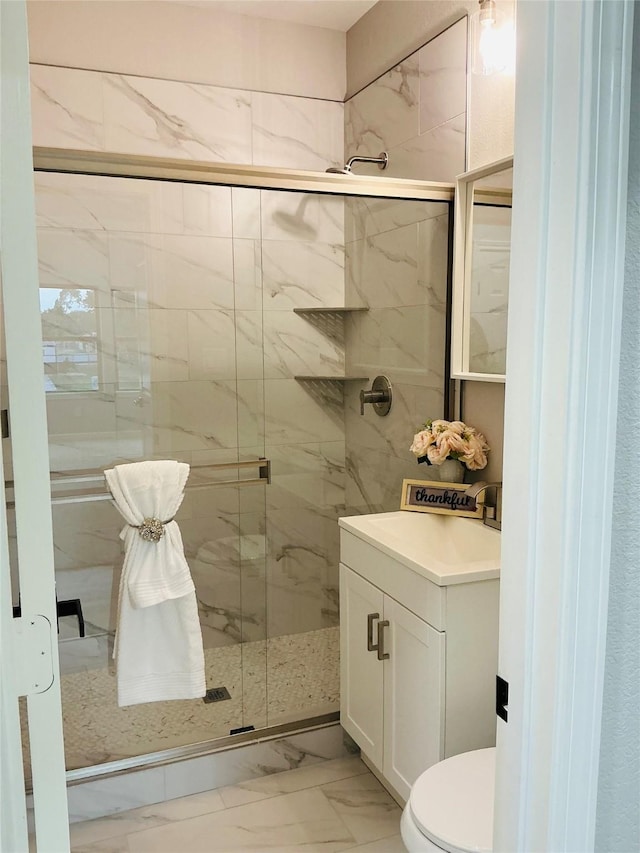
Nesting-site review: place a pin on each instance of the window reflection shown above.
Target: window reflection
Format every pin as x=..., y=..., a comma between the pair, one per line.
x=69, y=339
x=86, y=344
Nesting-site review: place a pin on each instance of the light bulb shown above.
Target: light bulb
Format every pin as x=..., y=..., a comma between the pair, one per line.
x=492, y=41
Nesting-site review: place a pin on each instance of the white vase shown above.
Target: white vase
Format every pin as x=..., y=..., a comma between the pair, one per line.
x=450, y=471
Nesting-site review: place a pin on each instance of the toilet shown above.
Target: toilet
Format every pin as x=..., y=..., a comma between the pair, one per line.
x=450, y=806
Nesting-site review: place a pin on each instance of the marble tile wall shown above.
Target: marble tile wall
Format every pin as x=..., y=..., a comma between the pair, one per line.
x=397, y=263
x=416, y=112
x=98, y=111
x=303, y=267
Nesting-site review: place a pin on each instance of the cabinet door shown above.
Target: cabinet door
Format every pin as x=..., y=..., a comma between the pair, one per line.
x=361, y=673
x=413, y=696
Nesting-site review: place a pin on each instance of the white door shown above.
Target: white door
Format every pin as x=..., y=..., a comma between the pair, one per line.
x=565, y=305
x=413, y=696
x=361, y=673
x=29, y=648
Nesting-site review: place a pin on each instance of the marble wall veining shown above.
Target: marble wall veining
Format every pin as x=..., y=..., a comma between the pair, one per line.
x=397, y=262
x=98, y=111
x=416, y=112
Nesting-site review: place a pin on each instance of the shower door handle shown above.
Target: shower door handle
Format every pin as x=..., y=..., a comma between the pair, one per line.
x=371, y=618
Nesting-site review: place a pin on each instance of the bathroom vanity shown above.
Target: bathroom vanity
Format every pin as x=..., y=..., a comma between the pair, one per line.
x=418, y=639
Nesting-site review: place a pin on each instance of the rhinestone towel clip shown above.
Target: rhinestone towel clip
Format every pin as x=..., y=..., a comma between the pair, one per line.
x=152, y=529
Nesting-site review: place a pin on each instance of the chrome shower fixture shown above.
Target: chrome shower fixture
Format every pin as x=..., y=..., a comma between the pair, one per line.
x=382, y=159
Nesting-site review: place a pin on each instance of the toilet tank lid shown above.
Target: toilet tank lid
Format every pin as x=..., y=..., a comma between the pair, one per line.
x=452, y=802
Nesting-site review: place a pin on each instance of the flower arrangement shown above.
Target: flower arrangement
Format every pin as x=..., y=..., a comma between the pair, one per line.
x=439, y=440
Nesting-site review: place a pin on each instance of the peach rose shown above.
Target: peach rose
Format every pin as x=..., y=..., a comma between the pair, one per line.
x=458, y=427
x=440, y=440
x=421, y=442
x=475, y=457
x=456, y=442
x=439, y=426
x=439, y=451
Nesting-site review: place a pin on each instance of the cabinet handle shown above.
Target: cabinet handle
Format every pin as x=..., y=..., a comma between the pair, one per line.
x=382, y=655
x=371, y=647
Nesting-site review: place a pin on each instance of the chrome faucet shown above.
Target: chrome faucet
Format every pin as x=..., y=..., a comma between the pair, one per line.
x=492, y=507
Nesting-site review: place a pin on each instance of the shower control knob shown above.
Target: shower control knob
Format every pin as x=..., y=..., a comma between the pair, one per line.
x=379, y=396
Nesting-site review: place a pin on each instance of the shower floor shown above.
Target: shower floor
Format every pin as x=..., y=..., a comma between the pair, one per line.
x=280, y=680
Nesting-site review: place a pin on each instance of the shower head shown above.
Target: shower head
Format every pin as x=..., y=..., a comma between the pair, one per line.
x=294, y=222
x=382, y=160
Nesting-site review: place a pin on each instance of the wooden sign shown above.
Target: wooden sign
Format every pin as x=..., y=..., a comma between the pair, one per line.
x=444, y=498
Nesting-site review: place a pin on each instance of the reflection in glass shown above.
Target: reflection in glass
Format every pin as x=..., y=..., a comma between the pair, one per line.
x=489, y=290
x=69, y=339
x=481, y=272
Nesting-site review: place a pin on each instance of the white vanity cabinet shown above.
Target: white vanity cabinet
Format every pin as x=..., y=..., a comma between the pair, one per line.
x=418, y=657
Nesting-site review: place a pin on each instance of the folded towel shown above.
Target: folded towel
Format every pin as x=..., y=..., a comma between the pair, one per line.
x=158, y=647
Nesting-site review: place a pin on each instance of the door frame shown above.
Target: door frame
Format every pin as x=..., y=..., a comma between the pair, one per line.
x=565, y=308
x=29, y=657
x=562, y=366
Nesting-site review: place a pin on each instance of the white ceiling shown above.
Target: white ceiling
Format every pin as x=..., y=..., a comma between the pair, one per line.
x=332, y=14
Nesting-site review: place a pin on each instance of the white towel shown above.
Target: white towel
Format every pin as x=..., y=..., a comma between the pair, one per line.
x=158, y=646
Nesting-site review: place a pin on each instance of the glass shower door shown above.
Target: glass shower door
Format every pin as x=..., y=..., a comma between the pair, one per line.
x=352, y=287
x=232, y=329
x=149, y=342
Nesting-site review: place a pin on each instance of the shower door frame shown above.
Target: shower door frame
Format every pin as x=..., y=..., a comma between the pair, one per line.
x=75, y=162
x=70, y=161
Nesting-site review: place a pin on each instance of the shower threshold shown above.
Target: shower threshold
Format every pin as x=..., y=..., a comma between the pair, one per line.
x=198, y=750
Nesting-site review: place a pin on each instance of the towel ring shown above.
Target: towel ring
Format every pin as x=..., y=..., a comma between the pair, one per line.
x=152, y=529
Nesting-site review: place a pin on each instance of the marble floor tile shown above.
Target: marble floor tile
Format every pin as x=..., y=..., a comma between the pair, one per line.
x=111, y=845
x=304, y=820
x=333, y=806
x=366, y=808
x=147, y=817
x=392, y=844
x=292, y=780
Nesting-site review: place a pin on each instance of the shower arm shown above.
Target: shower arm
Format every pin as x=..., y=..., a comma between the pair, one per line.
x=382, y=160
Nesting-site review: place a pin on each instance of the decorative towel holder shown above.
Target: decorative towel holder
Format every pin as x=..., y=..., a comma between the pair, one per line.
x=152, y=529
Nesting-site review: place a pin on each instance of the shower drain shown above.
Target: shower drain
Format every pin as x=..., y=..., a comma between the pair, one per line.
x=216, y=694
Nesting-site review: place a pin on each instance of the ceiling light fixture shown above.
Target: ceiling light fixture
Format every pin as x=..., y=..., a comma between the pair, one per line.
x=493, y=41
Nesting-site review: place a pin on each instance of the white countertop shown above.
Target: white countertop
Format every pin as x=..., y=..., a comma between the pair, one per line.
x=444, y=549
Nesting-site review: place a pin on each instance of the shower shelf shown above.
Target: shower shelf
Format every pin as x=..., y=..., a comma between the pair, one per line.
x=332, y=332
x=341, y=310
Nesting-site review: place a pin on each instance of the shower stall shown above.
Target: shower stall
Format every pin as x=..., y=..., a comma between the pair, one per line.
x=227, y=317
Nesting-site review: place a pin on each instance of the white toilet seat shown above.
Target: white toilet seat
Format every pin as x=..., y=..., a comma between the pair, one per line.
x=413, y=839
x=451, y=805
